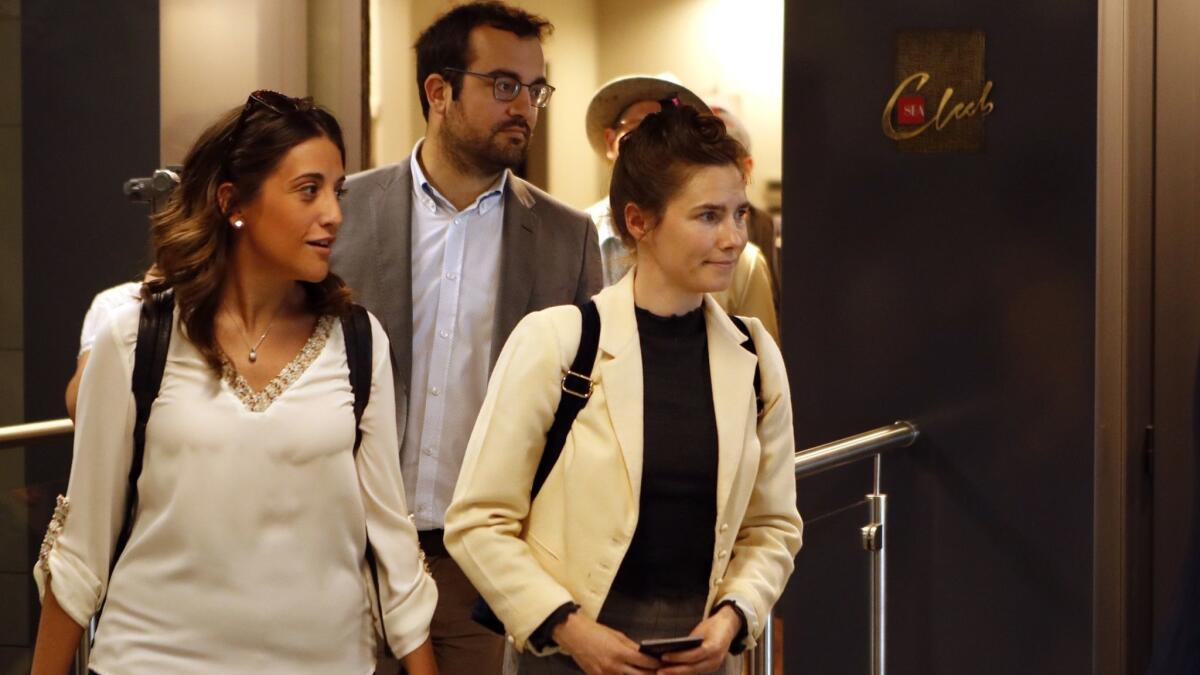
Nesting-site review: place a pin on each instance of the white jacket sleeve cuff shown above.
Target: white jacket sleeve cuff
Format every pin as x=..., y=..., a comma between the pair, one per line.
x=408, y=624
x=76, y=589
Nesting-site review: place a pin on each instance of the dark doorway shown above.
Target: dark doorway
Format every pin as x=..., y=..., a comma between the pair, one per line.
x=90, y=112
x=955, y=290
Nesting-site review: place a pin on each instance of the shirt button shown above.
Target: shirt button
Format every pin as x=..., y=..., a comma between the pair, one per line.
x=451, y=276
x=723, y=553
x=435, y=391
x=724, y=526
x=428, y=452
x=443, y=333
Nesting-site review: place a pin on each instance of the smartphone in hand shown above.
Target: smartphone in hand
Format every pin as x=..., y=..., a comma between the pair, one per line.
x=660, y=646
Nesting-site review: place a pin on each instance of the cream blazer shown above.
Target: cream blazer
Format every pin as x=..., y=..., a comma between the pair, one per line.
x=528, y=562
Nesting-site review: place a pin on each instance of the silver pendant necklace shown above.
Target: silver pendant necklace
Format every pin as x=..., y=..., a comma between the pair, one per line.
x=253, y=355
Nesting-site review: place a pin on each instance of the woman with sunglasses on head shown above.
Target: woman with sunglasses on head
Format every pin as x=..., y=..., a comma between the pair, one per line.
x=671, y=510
x=259, y=500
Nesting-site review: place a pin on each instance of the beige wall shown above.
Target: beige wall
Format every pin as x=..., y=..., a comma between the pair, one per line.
x=215, y=52
x=730, y=48
x=572, y=57
x=393, y=93
x=335, y=68
x=594, y=41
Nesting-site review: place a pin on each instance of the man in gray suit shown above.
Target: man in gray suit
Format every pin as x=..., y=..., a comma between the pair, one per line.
x=450, y=250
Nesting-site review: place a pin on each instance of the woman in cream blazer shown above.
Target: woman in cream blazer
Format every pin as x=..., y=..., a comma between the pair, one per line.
x=547, y=568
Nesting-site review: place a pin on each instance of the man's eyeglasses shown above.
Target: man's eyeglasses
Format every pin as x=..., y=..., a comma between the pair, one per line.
x=507, y=87
x=280, y=104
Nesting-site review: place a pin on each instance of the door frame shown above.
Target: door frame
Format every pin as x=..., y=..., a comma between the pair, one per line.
x=1122, y=514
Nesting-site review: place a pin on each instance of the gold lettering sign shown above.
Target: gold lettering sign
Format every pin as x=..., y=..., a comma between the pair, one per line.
x=941, y=94
x=942, y=117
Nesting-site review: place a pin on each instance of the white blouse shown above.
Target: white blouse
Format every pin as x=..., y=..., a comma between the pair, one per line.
x=246, y=554
x=101, y=310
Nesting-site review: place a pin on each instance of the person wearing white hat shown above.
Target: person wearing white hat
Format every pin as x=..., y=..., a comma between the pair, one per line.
x=616, y=109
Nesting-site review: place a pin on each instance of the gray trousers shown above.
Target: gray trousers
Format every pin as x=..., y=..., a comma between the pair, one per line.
x=640, y=619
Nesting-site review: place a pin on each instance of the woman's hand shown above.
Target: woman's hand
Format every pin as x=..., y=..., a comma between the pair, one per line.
x=718, y=632
x=420, y=660
x=600, y=650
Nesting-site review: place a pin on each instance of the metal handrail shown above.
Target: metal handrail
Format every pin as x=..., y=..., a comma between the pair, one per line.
x=853, y=448
x=761, y=660
x=808, y=462
x=22, y=434
x=873, y=443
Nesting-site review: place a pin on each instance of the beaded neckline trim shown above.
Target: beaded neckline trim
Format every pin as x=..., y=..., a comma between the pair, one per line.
x=259, y=401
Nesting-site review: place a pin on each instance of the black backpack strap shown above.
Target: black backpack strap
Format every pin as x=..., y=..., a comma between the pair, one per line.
x=149, y=363
x=749, y=346
x=576, y=388
x=576, y=385
x=356, y=327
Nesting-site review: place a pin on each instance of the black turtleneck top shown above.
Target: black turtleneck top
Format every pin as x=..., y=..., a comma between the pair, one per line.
x=672, y=547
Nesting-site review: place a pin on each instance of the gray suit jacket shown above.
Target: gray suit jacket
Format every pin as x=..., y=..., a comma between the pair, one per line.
x=548, y=256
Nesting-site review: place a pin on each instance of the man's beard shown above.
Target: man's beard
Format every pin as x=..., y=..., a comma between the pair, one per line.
x=488, y=153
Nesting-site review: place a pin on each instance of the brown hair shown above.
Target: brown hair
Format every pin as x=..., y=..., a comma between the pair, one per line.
x=191, y=236
x=659, y=157
x=447, y=41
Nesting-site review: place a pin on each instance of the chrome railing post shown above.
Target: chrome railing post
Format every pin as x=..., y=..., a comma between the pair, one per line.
x=761, y=659
x=839, y=453
x=768, y=645
x=83, y=653
x=873, y=541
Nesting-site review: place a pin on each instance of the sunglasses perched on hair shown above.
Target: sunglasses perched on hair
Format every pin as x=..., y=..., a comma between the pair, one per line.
x=506, y=87
x=280, y=104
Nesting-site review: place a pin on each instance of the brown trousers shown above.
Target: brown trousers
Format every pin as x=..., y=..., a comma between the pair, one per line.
x=461, y=646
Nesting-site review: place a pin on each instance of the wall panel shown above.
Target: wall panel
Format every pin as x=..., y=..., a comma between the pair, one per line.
x=956, y=290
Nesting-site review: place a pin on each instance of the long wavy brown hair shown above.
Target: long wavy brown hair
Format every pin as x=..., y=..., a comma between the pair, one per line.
x=191, y=236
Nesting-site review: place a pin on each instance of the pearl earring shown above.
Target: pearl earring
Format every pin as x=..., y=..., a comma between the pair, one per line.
x=239, y=224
